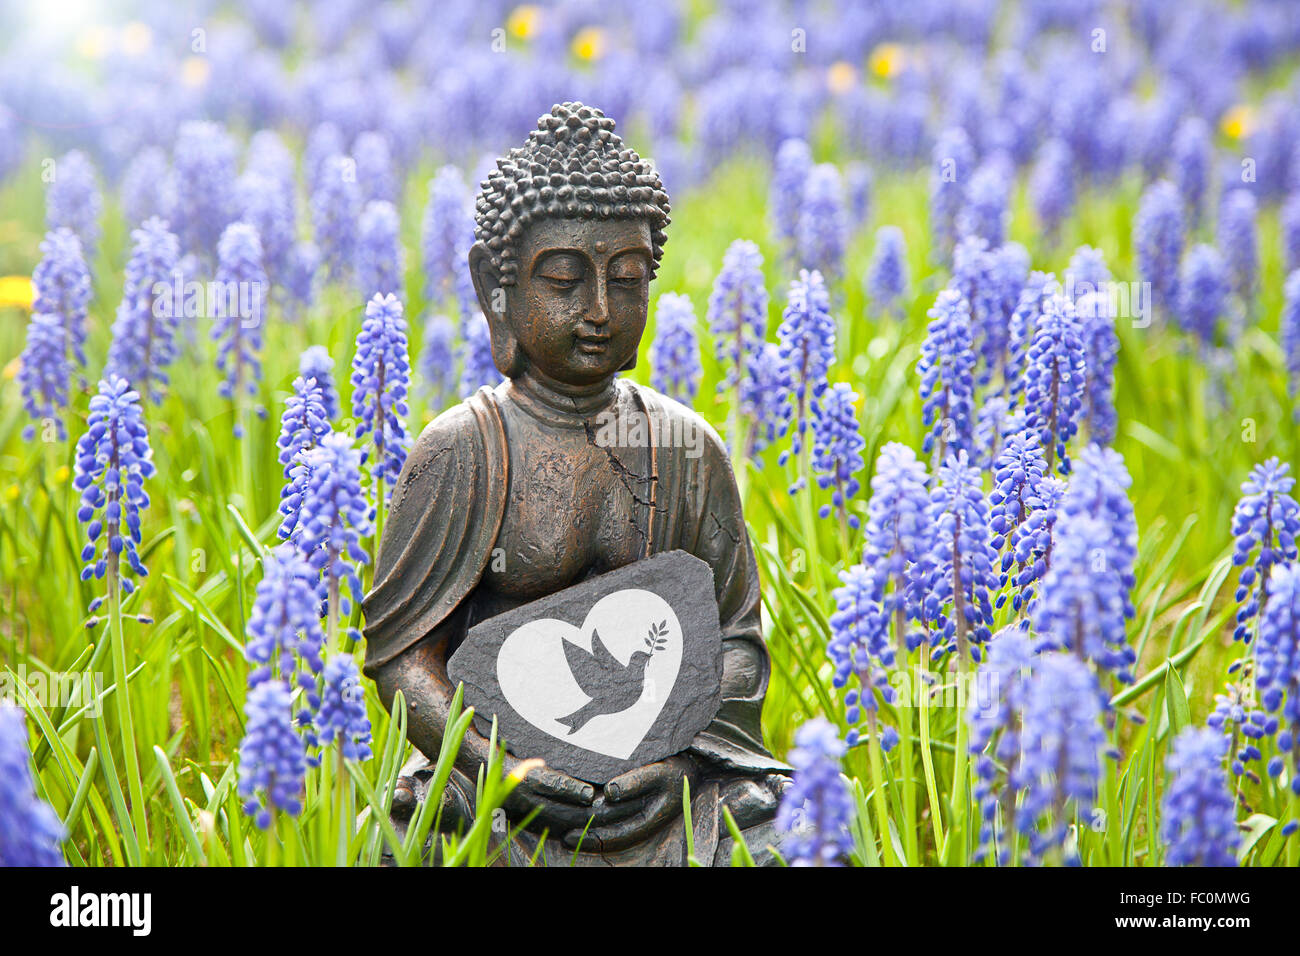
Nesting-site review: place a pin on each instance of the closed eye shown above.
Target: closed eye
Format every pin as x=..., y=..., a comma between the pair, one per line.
x=561, y=282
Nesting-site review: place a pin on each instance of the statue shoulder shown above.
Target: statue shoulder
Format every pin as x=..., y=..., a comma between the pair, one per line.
x=683, y=424
x=462, y=438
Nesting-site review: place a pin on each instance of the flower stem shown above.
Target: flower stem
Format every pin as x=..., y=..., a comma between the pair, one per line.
x=905, y=730
x=927, y=758
x=122, y=696
x=878, y=791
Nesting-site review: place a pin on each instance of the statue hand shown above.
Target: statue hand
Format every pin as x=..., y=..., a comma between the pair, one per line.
x=655, y=790
x=562, y=802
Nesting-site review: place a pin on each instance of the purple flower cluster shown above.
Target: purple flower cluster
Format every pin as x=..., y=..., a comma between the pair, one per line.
x=316, y=362
x=144, y=332
x=837, y=448
x=379, y=250
x=1238, y=237
x=272, y=756
x=900, y=532
x=438, y=360
x=790, y=171
x=446, y=236
x=335, y=209
x=816, y=811
x=30, y=831
x=737, y=312
x=61, y=288
x=1203, y=292
x=859, y=645
x=1055, y=379
x=807, y=345
x=822, y=233
x=304, y=422
x=204, y=161
x=285, y=640
x=73, y=201
x=113, y=461
x=238, y=326
x=1198, y=813
x=1277, y=675
x=342, y=714
x=381, y=374
x=43, y=373
x=946, y=369
x=1266, y=520
x=963, y=557
x=764, y=399
x=887, y=274
x=1158, y=236
x=675, y=352
x=333, y=515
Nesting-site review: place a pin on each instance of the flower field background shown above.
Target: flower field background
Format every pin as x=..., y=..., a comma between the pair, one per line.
x=990, y=301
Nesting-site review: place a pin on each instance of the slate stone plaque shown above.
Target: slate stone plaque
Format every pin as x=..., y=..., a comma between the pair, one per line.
x=616, y=672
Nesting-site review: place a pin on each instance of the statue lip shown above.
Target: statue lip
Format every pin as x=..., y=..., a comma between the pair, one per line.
x=592, y=343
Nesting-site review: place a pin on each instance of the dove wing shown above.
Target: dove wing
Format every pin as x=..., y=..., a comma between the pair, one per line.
x=580, y=662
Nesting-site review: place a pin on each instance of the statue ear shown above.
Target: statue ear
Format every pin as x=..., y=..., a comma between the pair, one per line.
x=507, y=356
x=629, y=364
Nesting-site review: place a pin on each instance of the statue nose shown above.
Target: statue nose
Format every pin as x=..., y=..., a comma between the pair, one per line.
x=599, y=315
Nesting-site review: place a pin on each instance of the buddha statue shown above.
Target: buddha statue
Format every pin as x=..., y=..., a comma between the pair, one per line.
x=510, y=496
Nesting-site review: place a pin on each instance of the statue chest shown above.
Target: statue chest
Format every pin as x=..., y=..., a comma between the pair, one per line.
x=570, y=512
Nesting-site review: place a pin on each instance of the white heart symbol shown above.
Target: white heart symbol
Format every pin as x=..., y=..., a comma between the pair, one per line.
x=535, y=676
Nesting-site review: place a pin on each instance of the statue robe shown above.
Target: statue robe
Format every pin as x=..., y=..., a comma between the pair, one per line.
x=447, y=509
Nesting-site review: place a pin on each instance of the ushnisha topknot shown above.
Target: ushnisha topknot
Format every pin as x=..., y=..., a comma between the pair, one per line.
x=574, y=166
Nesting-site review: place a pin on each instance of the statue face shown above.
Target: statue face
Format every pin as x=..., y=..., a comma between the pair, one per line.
x=578, y=308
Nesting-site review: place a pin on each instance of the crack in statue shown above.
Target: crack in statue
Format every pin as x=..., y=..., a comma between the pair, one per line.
x=570, y=231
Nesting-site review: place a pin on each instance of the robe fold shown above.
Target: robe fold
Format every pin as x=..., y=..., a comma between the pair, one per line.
x=447, y=510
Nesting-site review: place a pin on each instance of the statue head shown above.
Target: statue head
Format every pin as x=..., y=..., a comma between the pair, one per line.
x=569, y=231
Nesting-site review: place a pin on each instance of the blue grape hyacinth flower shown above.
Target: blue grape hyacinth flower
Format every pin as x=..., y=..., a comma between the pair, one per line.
x=272, y=755
x=447, y=229
x=303, y=424
x=1203, y=291
x=285, y=640
x=1061, y=746
x=335, y=210
x=317, y=363
x=73, y=201
x=1100, y=353
x=43, y=374
x=963, y=558
x=837, y=449
x=438, y=360
x=1191, y=162
x=381, y=373
x=946, y=369
x=379, y=250
x=816, y=811
x=30, y=831
x=675, y=351
x=952, y=163
x=822, y=234
x=113, y=461
x=790, y=171
x=144, y=331
x=61, y=288
x=1083, y=601
x=899, y=533
x=1277, y=670
x=342, y=714
x=859, y=645
x=1198, y=813
x=266, y=202
x=806, y=339
x=1238, y=237
x=238, y=328
x=1265, y=525
x=204, y=161
x=334, y=516
x=1055, y=379
x=887, y=275
x=764, y=400
x=1159, y=231
x=477, y=367
x=1289, y=334
x=737, y=312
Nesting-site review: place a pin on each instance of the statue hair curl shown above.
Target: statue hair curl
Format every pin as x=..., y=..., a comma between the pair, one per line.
x=574, y=166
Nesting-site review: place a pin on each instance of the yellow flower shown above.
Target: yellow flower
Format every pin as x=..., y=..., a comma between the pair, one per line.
x=522, y=22
x=841, y=77
x=589, y=44
x=887, y=59
x=16, y=291
x=136, y=38
x=12, y=492
x=1238, y=121
x=195, y=70
x=11, y=369
x=62, y=474
x=94, y=42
